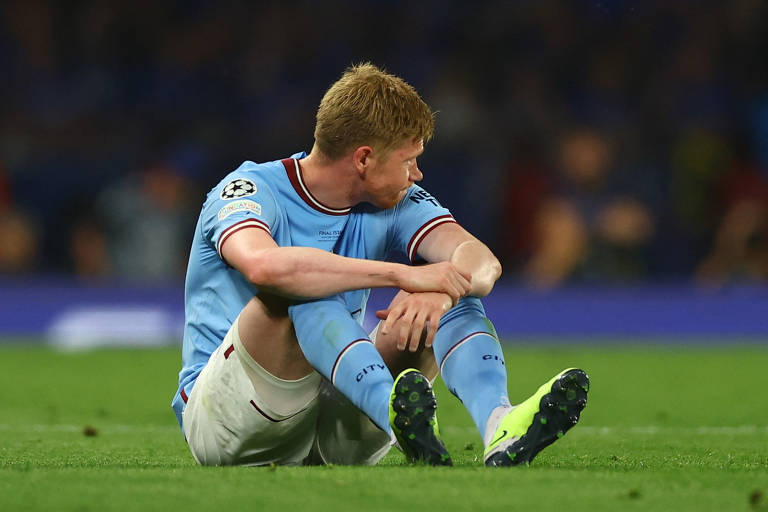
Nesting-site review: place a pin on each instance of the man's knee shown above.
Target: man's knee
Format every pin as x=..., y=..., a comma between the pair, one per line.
x=423, y=359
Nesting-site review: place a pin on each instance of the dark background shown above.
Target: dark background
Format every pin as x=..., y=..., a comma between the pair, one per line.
x=585, y=142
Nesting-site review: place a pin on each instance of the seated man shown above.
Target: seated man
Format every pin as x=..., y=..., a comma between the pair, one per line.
x=283, y=258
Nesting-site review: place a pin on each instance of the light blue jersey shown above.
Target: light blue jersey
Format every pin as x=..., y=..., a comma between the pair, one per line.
x=272, y=196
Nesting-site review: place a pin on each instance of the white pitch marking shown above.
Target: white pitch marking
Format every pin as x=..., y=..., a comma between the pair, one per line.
x=649, y=430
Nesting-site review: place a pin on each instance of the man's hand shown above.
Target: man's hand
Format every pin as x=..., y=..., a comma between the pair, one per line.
x=441, y=277
x=410, y=314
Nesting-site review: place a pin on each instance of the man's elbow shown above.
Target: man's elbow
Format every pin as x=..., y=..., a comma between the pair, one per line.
x=496, y=270
x=483, y=283
x=260, y=272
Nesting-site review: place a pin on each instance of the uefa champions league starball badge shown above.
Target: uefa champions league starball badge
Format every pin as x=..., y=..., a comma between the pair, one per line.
x=238, y=188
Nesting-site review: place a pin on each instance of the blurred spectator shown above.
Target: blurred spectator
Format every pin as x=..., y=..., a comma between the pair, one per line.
x=5, y=191
x=589, y=228
x=528, y=185
x=19, y=240
x=149, y=219
x=740, y=248
x=18, y=243
x=88, y=250
x=699, y=160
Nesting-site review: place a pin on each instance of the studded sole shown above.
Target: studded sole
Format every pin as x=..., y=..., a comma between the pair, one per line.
x=415, y=406
x=559, y=411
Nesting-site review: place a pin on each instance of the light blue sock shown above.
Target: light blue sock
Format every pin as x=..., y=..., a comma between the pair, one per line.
x=471, y=361
x=338, y=347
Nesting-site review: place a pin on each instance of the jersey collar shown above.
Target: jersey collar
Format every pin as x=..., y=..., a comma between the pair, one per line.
x=293, y=169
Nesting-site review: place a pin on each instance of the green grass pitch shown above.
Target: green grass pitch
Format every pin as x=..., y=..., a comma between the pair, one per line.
x=666, y=428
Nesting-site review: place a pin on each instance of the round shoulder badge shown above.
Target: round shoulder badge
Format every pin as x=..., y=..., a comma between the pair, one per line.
x=238, y=188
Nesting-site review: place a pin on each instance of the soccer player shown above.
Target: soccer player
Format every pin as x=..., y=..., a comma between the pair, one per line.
x=276, y=366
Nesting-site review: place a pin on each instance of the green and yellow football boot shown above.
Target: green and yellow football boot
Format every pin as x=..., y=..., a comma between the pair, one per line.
x=540, y=420
x=412, y=415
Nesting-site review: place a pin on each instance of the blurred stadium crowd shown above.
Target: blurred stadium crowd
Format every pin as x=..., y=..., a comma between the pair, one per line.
x=590, y=142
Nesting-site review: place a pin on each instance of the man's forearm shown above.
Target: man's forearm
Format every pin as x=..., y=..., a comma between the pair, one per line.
x=306, y=272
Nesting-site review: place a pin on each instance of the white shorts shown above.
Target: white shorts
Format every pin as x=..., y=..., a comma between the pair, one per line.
x=240, y=414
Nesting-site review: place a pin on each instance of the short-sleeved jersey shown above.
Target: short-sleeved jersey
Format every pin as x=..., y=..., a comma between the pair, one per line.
x=273, y=197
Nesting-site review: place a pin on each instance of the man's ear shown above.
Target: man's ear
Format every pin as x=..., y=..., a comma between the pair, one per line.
x=362, y=159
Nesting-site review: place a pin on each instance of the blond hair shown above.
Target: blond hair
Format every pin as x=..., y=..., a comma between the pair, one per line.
x=368, y=106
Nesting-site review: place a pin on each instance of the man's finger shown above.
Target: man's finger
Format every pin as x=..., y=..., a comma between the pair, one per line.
x=417, y=330
x=382, y=314
x=454, y=293
x=406, y=328
x=465, y=282
x=392, y=317
x=431, y=331
x=402, y=339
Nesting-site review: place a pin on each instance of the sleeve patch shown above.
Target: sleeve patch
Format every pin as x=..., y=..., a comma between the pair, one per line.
x=242, y=205
x=238, y=188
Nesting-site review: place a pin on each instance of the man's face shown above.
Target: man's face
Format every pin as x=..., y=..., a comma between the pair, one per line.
x=388, y=180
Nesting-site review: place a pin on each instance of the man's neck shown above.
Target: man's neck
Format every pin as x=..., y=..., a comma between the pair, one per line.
x=333, y=183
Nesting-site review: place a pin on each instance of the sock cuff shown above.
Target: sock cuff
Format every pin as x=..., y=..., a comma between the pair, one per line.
x=341, y=355
x=459, y=343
